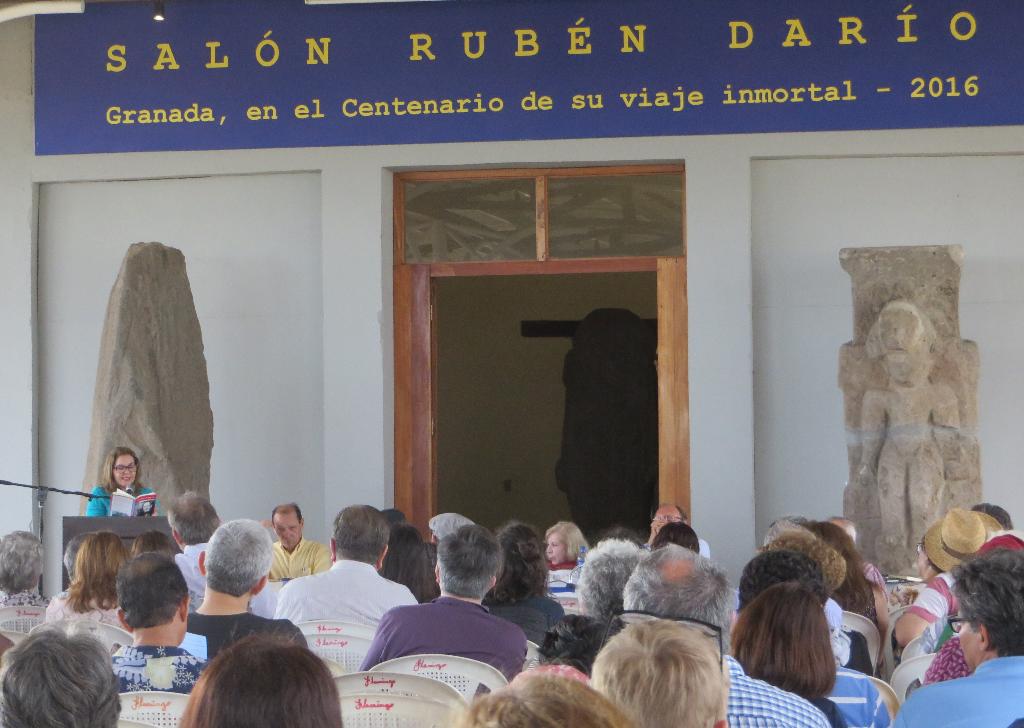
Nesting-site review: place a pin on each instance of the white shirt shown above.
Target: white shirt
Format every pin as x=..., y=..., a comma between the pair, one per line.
x=350, y=591
x=705, y=550
x=262, y=605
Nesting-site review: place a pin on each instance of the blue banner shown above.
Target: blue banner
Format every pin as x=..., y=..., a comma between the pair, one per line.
x=231, y=74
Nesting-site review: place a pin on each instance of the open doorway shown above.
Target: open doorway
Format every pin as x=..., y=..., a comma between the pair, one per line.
x=468, y=231
x=501, y=348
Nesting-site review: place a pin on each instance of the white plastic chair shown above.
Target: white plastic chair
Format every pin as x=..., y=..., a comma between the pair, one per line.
x=335, y=628
x=15, y=637
x=396, y=683
x=892, y=703
x=888, y=657
x=914, y=648
x=153, y=707
x=133, y=724
x=336, y=669
x=377, y=710
x=462, y=673
x=21, y=619
x=347, y=651
x=907, y=672
x=112, y=638
x=860, y=623
x=532, y=655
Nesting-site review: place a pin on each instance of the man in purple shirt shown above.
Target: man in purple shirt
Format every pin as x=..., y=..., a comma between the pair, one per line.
x=455, y=623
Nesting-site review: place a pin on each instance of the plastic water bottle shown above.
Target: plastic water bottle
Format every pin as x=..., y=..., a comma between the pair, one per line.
x=576, y=573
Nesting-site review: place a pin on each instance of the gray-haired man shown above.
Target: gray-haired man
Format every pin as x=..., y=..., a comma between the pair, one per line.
x=676, y=583
x=351, y=590
x=236, y=563
x=455, y=623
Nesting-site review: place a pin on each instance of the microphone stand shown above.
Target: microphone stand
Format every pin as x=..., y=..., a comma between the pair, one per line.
x=42, y=491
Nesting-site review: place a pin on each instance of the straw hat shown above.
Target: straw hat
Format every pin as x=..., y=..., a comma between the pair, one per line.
x=957, y=536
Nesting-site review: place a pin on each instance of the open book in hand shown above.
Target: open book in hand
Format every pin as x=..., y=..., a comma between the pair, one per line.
x=123, y=503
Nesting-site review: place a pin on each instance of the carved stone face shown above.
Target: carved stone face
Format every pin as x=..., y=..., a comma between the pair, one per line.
x=907, y=357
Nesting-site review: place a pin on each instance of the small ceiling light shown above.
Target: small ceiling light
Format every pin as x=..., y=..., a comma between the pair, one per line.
x=158, y=9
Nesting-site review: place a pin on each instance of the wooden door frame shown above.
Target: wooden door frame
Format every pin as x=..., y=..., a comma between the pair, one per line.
x=415, y=347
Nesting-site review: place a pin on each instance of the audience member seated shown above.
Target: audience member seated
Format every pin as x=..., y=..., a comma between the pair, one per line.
x=236, y=564
x=351, y=590
x=153, y=600
x=850, y=647
x=21, y=565
x=667, y=513
x=156, y=542
x=678, y=533
x=871, y=571
x=54, y=680
x=444, y=524
x=562, y=545
x=664, y=674
x=574, y=642
x=997, y=513
x=991, y=629
x=607, y=570
x=456, y=623
x=780, y=526
x=70, y=554
x=259, y=682
x=520, y=592
x=949, y=662
x=622, y=533
x=856, y=594
x=295, y=556
x=782, y=637
x=408, y=562
x=122, y=470
x=93, y=592
x=544, y=702
x=947, y=543
x=675, y=583
x=855, y=696
x=193, y=520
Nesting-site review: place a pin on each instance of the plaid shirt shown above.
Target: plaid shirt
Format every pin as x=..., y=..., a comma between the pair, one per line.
x=756, y=704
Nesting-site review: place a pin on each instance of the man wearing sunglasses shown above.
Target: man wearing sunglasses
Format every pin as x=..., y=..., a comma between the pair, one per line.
x=677, y=584
x=991, y=629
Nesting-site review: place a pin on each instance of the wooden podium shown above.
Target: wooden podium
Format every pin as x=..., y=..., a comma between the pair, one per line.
x=126, y=528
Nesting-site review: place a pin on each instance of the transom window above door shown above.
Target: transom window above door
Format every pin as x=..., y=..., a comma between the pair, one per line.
x=540, y=214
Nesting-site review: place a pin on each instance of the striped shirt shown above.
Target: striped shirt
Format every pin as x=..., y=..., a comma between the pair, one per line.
x=756, y=704
x=859, y=700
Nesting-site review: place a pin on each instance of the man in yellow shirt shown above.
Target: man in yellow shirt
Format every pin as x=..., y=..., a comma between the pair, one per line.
x=294, y=556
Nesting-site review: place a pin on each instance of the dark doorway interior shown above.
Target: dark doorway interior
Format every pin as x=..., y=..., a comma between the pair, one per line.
x=500, y=397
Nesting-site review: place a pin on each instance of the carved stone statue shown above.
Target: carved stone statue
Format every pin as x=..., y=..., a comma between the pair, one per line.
x=910, y=392
x=608, y=466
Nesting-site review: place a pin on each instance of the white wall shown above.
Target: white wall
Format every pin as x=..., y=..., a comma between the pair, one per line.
x=356, y=274
x=252, y=250
x=804, y=212
x=17, y=451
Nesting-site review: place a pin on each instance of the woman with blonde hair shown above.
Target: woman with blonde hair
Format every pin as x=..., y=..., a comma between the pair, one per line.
x=544, y=702
x=563, y=542
x=122, y=471
x=93, y=591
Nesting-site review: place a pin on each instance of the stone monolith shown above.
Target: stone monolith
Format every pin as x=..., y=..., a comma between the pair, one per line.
x=909, y=387
x=152, y=391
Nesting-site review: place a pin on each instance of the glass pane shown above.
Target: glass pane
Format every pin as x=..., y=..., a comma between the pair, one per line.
x=470, y=220
x=627, y=215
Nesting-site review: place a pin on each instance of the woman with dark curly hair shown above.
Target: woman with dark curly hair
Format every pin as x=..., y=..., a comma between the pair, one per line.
x=519, y=593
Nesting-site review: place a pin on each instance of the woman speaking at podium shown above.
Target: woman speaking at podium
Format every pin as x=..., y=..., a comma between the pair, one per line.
x=122, y=470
